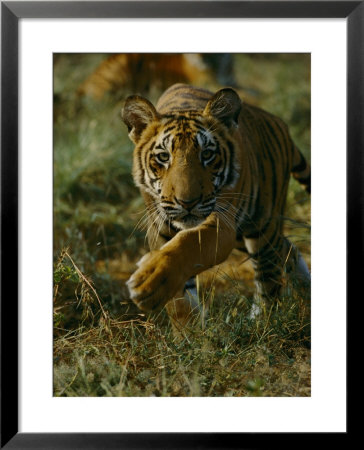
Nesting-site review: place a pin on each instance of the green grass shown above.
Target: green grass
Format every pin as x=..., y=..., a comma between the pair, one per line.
x=103, y=345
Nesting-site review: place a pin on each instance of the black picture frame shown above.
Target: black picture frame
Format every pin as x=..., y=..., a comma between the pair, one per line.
x=11, y=13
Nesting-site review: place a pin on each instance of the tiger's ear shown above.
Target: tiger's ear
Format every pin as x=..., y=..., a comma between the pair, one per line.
x=137, y=113
x=225, y=106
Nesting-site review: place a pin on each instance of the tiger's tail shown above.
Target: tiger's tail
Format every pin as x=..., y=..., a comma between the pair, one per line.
x=301, y=170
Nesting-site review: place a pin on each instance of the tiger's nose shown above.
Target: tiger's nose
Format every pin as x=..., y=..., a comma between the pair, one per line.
x=188, y=204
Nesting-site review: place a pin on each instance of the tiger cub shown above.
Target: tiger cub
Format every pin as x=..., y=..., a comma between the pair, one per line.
x=214, y=173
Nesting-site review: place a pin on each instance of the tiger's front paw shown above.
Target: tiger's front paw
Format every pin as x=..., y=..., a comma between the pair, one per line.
x=158, y=277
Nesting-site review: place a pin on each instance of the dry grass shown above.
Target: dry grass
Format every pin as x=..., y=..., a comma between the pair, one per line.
x=230, y=355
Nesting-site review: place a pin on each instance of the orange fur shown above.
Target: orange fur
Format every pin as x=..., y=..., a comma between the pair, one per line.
x=139, y=72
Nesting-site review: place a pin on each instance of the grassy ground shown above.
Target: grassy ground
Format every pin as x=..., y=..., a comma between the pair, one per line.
x=104, y=346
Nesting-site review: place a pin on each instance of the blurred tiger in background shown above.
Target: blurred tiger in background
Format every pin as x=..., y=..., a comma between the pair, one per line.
x=214, y=173
x=139, y=72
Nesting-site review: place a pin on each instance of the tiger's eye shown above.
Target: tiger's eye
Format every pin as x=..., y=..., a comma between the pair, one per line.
x=207, y=154
x=163, y=157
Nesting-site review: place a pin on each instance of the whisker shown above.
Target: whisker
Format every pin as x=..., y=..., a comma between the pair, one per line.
x=143, y=221
x=227, y=217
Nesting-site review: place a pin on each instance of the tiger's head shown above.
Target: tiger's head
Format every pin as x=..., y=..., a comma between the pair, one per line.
x=184, y=159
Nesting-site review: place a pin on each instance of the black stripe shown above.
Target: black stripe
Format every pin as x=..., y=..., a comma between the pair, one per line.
x=244, y=210
x=258, y=233
x=168, y=129
x=301, y=166
x=185, y=95
x=185, y=87
x=272, y=160
x=268, y=276
x=231, y=162
x=265, y=265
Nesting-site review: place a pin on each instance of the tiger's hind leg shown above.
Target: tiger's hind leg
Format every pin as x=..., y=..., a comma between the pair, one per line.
x=271, y=260
x=296, y=271
x=184, y=309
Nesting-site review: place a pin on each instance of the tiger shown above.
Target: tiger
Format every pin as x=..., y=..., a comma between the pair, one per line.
x=213, y=172
x=142, y=71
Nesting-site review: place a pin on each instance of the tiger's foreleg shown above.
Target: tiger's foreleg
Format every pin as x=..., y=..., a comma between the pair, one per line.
x=164, y=272
x=183, y=309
